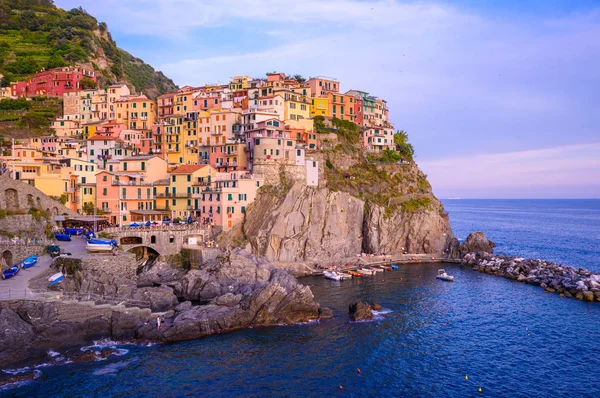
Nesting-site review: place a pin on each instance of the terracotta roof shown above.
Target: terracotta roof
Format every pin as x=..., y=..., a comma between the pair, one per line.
x=188, y=168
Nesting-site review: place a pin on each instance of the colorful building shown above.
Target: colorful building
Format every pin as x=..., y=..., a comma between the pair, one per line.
x=52, y=82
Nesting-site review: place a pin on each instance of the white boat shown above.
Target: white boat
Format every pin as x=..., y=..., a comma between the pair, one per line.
x=334, y=276
x=344, y=275
x=377, y=269
x=366, y=271
x=54, y=279
x=99, y=247
x=444, y=276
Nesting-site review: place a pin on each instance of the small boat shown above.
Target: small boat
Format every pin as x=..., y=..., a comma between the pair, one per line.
x=63, y=237
x=394, y=267
x=385, y=267
x=29, y=262
x=354, y=273
x=9, y=273
x=334, y=276
x=54, y=279
x=444, y=276
x=344, y=275
x=366, y=271
x=99, y=247
x=377, y=269
x=74, y=231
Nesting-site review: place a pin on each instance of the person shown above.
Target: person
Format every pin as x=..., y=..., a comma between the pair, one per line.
x=158, y=321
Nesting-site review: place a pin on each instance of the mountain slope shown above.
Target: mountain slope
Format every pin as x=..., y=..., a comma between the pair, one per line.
x=35, y=34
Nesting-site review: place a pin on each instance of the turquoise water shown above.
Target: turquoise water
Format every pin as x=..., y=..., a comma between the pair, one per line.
x=512, y=340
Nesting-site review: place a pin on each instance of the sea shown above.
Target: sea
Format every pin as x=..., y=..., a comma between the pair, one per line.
x=478, y=336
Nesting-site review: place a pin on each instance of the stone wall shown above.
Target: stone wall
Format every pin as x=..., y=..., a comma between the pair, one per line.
x=23, y=226
x=14, y=254
x=16, y=195
x=164, y=242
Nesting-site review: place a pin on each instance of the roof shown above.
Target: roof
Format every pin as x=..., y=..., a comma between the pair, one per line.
x=102, y=138
x=141, y=157
x=188, y=168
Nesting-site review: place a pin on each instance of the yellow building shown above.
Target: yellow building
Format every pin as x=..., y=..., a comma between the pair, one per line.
x=66, y=128
x=186, y=181
x=87, y=194
x=296, y=107
x=53, y=181
x=319, y=107
x=239, y=83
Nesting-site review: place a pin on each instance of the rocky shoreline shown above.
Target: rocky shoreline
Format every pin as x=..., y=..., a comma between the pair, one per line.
x=477, y=252
x=234, y=290
x=566, y=281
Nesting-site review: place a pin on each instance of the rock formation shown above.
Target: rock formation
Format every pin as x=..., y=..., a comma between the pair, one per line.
x=312, y=224
x=359, y=311
x=234, y=291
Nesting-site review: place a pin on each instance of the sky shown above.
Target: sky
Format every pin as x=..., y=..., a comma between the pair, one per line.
x=500, y=98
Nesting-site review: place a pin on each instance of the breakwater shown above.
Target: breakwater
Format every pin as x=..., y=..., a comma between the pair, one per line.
x=566, y=281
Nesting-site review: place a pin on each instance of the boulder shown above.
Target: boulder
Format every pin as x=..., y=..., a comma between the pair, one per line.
x=588, y=296
x=477, y=242
x=160, y=274
x=359, y=311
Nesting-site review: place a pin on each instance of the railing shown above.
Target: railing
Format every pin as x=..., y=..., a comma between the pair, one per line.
x=164, y=227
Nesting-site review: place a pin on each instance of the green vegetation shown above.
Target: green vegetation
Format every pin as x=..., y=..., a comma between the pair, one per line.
x=404, y=148
x=377, y=186
x=39, y=214
x=9, y=104
x=88, y=209
x=328, y=164
x=35, y=115
x=35, y=34
x=88, y=84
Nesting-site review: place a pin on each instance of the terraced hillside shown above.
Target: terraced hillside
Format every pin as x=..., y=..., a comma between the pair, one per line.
x=35, y=34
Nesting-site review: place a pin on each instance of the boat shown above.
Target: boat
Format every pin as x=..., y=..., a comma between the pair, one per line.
x=29, y=262
x=74, y=231
x=394, y=266
x=54, y=279
x=377, y=269
x=366, y=271
x=334, y=276
x=102, y=241
x=385, y=267
x=354, y=273
x=344, y=275
x=9, y=273
x=62, y=237
x=99, y=247
x=444, y=276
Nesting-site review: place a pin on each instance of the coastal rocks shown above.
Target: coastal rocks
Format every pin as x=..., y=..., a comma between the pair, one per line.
x=359, y=311
x=236, y=289
x=161, y=273
x=477, y=242
x=569, y=282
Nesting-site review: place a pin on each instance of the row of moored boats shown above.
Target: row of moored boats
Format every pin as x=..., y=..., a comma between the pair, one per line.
x=14, y=270
x=338, y=275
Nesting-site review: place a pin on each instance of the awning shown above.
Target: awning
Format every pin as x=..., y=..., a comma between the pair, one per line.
x=150, y=212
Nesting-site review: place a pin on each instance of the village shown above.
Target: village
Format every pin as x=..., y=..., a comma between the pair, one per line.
x=199, y=154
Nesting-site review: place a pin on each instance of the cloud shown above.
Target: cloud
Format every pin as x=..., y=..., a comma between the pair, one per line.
x=565, y=171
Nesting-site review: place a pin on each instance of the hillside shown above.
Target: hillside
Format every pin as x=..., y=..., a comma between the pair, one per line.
x=35, y=34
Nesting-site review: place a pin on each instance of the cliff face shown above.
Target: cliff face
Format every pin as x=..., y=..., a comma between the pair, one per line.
x=305, y=223
x=312, y=224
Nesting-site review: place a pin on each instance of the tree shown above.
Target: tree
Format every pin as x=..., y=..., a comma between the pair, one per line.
x=32, y=120
x=88, y=84
x=403, y=146
x=88, y=209
x=299, y=79
x=401, y=137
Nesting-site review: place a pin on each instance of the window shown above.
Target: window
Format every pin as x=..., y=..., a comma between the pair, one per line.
x=229, y=196
x=143, y=165
x=174, y=201
x=289, y=143
x=104, y=191
x=243, y=209
x=173, y=178
x=125, y=166
x=104, y=178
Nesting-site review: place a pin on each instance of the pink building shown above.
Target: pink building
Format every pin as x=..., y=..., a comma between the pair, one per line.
x=225, y=157
x=377, y=139
x=224, y=202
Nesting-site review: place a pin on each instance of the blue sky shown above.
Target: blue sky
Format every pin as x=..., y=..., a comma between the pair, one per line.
x=500, y=98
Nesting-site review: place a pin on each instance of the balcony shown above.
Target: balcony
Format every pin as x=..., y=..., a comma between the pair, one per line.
x=106, y=210
x=133, y=117
x=143, y=117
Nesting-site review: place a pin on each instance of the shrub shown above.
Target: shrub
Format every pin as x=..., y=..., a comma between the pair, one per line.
x=329, y=164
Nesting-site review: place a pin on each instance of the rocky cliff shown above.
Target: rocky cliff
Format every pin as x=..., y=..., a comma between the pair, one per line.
x=358, y=207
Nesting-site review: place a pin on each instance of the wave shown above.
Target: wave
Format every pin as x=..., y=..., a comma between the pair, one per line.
x=113, y=368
